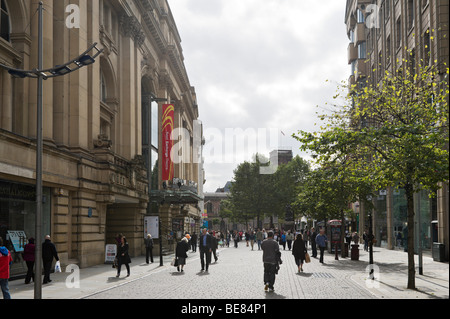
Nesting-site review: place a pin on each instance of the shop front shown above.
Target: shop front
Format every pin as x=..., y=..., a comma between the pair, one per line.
x=18, y=219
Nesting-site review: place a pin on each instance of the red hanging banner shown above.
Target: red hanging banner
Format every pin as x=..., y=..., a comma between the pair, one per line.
x=168, y=114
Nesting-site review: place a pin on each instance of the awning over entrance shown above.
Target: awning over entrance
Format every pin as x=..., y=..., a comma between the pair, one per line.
x=175, y=197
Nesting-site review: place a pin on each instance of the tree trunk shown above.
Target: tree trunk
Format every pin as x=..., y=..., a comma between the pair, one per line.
x=410, y=206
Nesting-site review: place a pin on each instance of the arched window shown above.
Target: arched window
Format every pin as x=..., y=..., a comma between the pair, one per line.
x=5, y=28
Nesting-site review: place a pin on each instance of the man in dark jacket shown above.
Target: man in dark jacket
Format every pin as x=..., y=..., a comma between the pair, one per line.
x=194, y=240
x=205, y=245
x=148, y=248
x=48, y=253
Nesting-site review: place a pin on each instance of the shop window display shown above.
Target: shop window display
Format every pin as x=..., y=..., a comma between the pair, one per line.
x=18, y=219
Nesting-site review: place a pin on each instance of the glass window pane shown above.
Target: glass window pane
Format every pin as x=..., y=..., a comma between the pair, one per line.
x=155, y=169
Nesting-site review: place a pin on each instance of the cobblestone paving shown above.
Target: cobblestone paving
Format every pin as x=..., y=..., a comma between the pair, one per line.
x=238, y=274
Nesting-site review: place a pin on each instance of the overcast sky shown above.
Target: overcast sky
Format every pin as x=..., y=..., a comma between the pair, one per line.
x=259, y=66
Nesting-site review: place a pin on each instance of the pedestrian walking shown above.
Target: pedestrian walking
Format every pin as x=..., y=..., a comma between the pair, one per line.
x=283, y=240
x=29, y=258
x=5, y=264
x=321, y=241
x=252, y=238
x=148, y=248
x=259, y=238
x=123, y=257
x=222, y=239
x=299, y=251
x=236, y=239
x=313, y=242
x=271, y=260
x=48, y=253
x=205, y=247
x=181, y=253
x=194, y=240
x=289, y=239
x=305, y=236
x=366, y=241
x=247, y=237
x=214, y=245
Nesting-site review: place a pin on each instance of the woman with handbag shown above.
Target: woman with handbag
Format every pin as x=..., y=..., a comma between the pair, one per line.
x=181, y=253
x=299, y=251
x=123, y=258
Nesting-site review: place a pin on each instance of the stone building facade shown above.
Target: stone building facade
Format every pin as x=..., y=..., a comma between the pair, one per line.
x=95, y=156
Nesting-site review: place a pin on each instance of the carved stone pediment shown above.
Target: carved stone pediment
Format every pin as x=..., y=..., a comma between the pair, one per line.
x=103, y=142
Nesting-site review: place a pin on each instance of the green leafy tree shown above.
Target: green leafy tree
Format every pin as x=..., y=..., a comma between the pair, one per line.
x=397, y=134
x=255, y=195
x=249, y=191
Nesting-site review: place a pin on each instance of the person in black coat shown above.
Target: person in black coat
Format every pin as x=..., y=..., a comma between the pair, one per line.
x=123, y=257
x=181, y=253
x=214, y=246
x=48, y=253
x=194, y=240
x=148, y=248
x=313, y=242
x=205, y=246
x=299, y=251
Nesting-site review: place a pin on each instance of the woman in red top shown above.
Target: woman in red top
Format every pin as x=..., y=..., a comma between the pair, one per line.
x=5, y=263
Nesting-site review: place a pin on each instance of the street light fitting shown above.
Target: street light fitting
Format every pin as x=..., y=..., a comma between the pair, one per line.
x=61, y=70
x=86, y=60
x=17, y=74
x=81, y=61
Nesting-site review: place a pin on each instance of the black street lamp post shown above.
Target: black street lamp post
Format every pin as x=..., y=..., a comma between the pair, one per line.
x=44, y=74
x=370, y=240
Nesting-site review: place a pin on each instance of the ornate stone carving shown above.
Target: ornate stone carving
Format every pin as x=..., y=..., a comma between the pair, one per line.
x=103, y=142
x=130, y=27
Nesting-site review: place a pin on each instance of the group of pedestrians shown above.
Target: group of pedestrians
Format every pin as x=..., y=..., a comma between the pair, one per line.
x=29, y=256
x=208, y=243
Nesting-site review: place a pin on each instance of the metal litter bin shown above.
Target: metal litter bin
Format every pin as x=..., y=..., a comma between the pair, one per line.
x=438, y=252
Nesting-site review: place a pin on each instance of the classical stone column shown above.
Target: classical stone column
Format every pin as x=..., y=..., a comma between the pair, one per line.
x=79, y=85
x=61, y=83
x=6, y=100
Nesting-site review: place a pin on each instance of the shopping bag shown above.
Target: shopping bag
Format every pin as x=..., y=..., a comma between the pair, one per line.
x=57, y=267
x=307, y=258
x=174, y=262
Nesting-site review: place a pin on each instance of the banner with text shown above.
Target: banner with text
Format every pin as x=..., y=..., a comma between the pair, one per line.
x=167, y=142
